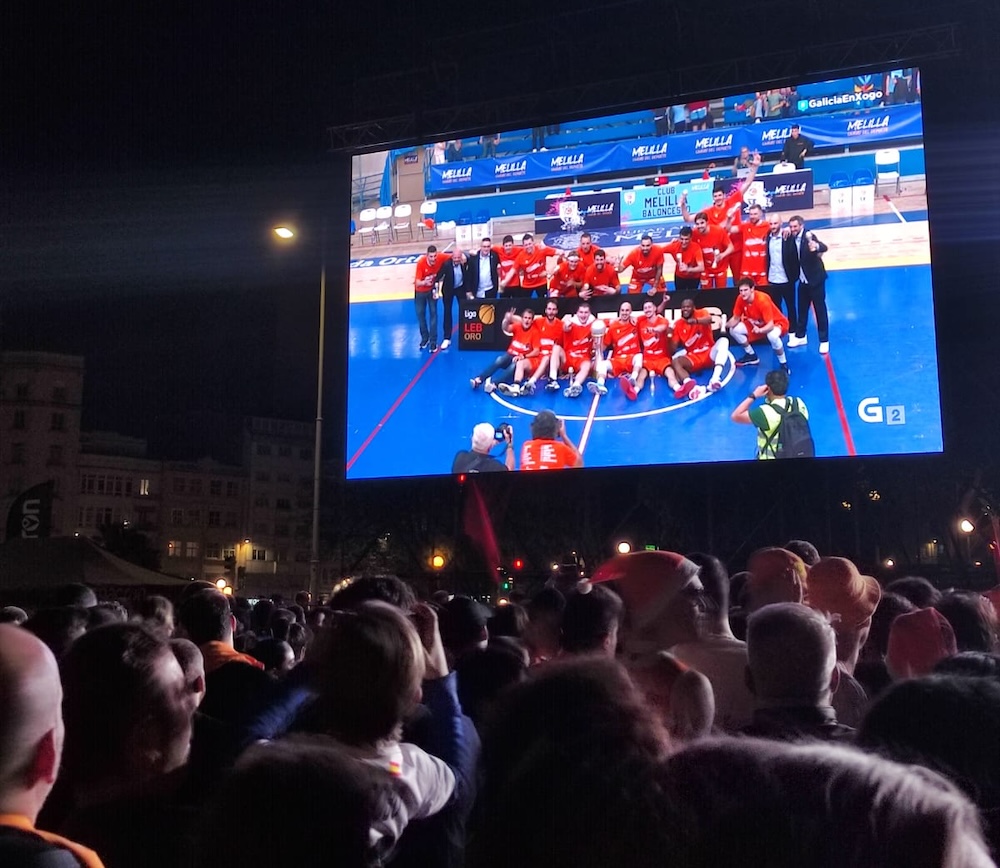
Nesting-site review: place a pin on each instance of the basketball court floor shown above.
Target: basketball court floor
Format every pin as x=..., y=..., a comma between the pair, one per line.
x=876, y=393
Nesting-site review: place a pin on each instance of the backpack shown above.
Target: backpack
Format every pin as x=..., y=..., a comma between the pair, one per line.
x=794, y=439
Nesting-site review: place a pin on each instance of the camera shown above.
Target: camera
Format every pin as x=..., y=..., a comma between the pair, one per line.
x=501, y=432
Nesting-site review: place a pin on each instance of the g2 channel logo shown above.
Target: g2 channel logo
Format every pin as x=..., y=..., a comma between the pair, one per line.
x=871, y=410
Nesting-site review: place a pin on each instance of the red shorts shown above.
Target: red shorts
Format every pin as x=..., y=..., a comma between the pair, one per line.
x=700, y=361
x=575, y=362
x=646, y=285
x=620, y=365
x=656, y=365
x=714, y=280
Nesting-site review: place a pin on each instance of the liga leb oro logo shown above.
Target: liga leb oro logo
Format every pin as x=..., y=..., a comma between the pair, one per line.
x=487, y=314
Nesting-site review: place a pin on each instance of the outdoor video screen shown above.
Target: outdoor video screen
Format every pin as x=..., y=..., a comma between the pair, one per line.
x=592, y=269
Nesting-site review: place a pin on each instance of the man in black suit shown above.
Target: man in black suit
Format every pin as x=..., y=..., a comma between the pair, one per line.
x=782, y=267
x=454, y=283
x=812, y=285
x=483, y=272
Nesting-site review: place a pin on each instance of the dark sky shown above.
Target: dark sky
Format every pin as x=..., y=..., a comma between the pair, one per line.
x=148, y=150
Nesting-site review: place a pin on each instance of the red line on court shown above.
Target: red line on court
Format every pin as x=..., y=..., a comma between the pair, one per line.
x=841, y=412
x=393, y=408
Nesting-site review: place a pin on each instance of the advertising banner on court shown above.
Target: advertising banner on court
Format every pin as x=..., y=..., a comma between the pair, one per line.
x=662, y=204
x=577, y=212
x=567, y=164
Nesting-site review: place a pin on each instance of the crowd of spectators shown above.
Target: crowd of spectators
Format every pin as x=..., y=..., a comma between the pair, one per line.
x=660, y=712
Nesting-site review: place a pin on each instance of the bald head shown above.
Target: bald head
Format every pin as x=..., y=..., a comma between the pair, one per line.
x=31, y=728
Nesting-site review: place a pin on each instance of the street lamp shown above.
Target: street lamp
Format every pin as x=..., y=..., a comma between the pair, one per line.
x=966, y=526
x=287, y=233
x=624, y=547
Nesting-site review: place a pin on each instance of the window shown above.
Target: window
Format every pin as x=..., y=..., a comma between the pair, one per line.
x=263, y=449
x=21, y=391
x=59, y=395
x=87, y=483
x=281, y=554
x=263, y=476
x=20, y=420
x=177, y=517
x=191, y=549
x=284, y=477
x=261, y=500
x=194, y=486
x=180, y=485
x=174, y=548
x=104, y=515
x=17, y=453
x=229, y=554
x=282, y=503
x=58, y=422
x=55, y=455
x=285, y=451
x=305, y=454
x=259, y=555
x=215, y=488
x=232, y=489
x=213, y=551
x=214, y=518
x=194, y=517
x=303, y=503
x=230, y=519
x=144, y=488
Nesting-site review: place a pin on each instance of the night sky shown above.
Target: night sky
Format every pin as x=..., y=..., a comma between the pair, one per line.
x=148, y=150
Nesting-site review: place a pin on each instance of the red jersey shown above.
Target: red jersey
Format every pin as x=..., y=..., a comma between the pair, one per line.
x=546, y=455
x=524, y=340
x=508, y=263
x=694, y=337
x=533, y=266
x=550, y=333
x=719, y=214
x=586, y=256
x=760, y=311
x=604, y=281
x=578, y=340
x=623, y=338
x=644, y=265
x=425, y=270
x=567, y=282
x=691, y=256
x=712, y=243
x=654, y=343
x=754, y=263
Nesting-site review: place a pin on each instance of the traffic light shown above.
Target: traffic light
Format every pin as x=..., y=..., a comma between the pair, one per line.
x=518, y=564
x=505, y=585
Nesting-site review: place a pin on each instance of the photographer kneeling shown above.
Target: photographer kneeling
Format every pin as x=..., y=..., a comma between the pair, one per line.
x=478, y=459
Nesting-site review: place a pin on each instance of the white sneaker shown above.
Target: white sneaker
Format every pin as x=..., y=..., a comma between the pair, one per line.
x=824, y=347
x=489, y=388
x=714, y=385
x=445, y=344
x=794, y=341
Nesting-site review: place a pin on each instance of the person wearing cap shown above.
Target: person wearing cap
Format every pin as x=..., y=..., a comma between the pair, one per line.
x=550, y=447
x=792, y=669
x=463, y=627
x=478, y=459
x=837, y=588
x=917, y=641
x=796, y=147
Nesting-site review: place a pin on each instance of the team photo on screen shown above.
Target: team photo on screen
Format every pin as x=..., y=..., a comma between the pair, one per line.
x=738, y=279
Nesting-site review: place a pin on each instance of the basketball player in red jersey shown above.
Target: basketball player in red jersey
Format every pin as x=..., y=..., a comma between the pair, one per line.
x=509, y=283
x=602, y=278
x=653, y=329
x=689, y=261
x=754, y=234
x=531, y=267
x=586, y=251
x=577, y=351
x=550, y=336
x=625, y=362
x=568, y=278
x=716, y=246
x=755, y=316
x=697, y=349
x=646, y=262
x=728, y=210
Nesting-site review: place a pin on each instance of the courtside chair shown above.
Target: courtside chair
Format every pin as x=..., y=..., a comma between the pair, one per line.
x=887, y=168
x=401, y=221
x=384, y=225
x=366, y=226
x=428, y=211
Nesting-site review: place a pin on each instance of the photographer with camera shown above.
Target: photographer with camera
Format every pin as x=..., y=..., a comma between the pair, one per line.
x=478, y=459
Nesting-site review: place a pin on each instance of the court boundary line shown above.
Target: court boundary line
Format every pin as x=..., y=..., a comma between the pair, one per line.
x=395, y=406
x=589, y=423
x=839, y=403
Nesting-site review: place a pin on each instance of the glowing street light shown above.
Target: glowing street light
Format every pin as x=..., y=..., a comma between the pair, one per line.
x=966, y=526
x=624, y=547
x=221, y=584
x=287, y=233
x=437, y=562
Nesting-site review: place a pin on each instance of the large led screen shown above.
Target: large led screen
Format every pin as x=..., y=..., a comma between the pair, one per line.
x=813, y=194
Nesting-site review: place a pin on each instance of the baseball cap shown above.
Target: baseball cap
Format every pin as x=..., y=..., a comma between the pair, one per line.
x=838, y=588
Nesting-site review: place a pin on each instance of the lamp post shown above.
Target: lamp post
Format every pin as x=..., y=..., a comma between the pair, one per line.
x=287, y=233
